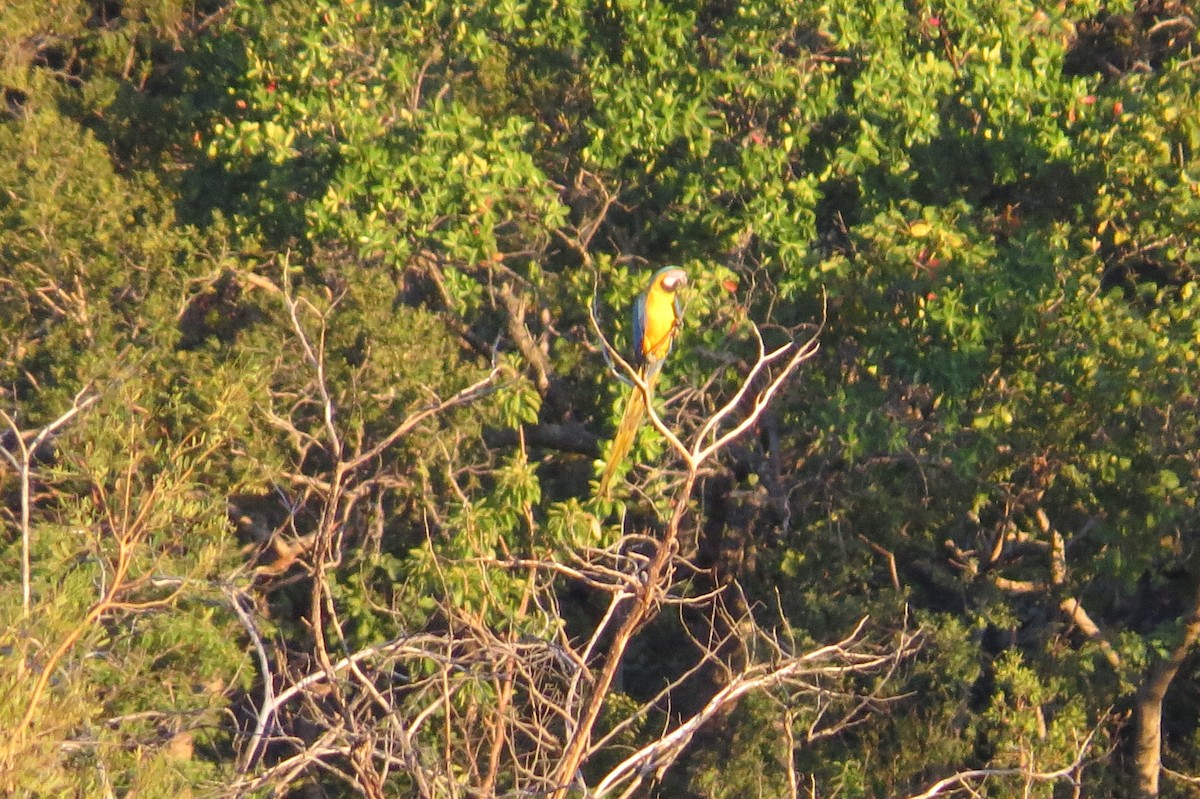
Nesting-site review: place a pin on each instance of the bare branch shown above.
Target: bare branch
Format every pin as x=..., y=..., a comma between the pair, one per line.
x=1069, y=773
x=316, y=357
x=839, y=658
x=463, y=397
x=266, y=711
x=24, y=468
x=534, y=355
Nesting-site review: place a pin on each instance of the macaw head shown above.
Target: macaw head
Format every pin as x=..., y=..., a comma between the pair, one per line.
x=669, y=279
x=656, y=315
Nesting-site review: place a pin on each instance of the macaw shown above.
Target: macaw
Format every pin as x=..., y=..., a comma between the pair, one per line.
x=656, y=318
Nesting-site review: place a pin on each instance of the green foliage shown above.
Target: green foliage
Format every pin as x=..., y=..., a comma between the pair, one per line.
x=128, y=559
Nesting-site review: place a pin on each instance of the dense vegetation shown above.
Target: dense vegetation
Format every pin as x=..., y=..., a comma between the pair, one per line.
x=304, y=394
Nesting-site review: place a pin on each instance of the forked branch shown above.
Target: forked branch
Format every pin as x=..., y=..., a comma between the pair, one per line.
x=965, y=779
x=840, y=659
x=27, y=445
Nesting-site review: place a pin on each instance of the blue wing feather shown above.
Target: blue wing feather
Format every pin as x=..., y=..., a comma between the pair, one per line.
x=639, y=329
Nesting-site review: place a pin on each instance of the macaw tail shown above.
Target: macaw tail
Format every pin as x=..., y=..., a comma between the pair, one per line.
x=631, y=420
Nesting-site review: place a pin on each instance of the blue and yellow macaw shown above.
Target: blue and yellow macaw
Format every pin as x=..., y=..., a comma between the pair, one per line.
x=656, y=318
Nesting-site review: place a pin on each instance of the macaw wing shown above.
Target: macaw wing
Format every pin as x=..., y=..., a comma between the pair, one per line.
x=639, y=330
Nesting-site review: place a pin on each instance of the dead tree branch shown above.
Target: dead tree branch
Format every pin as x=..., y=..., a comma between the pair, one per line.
x=1070, y=773
x=28, y=445
x=841, y=658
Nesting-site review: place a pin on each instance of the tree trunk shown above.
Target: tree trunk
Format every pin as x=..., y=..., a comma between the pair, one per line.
x=1147, y=749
